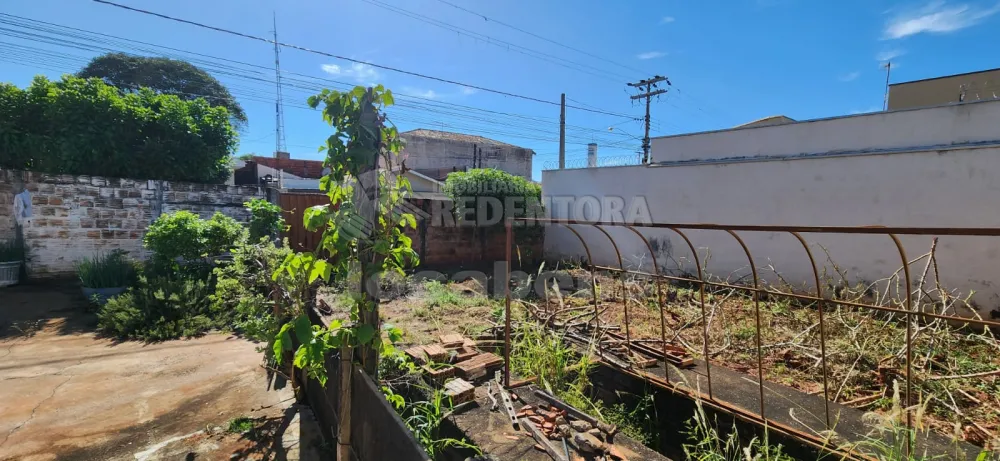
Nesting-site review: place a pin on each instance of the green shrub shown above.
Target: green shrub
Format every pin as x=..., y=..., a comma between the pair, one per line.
x=183, y=235
x=84, y=126
x=265, y=219
x=158, y=309
x=517, y=196
x=222, y=234
x=110, y=270
x=11, y=250
x=244, y=286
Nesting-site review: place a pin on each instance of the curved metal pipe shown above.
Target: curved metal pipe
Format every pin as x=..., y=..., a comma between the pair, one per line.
x=909, y=339
x=704, y=317
x=659, y=296
x=756, y=309
x=822, y=328
x=593, y=279
x=621, y=278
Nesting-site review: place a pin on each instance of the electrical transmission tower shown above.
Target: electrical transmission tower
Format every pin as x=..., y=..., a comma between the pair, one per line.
x=279, y=113
x=652, y=88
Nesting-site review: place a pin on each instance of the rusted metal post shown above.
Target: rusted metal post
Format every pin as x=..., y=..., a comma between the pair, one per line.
x=659, y=297
x=621, y=277
x=756, y=310
x=704, y=317
x=909, y=342
x=593, y=283
x=822, y=328
x=508, y=225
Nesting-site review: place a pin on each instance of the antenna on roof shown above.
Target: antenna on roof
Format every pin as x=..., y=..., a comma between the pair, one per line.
x=885, y=99
x=279, y=115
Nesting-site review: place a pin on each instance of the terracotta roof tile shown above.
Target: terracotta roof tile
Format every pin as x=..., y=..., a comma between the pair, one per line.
x=310, y=169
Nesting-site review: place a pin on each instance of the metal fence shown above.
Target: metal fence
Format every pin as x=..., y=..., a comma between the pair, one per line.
x=757, y=291
x=578, y=163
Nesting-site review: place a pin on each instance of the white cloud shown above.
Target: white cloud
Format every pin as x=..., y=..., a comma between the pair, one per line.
x=936, y=17
x=889, y=55
x=426, y=94
x=359, y=72
x=849, y=77
x=667, y=20
x=651, y=55
x=466, y=91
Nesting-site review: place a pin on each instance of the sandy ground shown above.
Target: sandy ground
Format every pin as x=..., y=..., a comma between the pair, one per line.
x=67, y=394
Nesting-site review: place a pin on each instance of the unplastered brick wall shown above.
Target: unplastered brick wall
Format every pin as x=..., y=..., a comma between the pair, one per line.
x=74, y=217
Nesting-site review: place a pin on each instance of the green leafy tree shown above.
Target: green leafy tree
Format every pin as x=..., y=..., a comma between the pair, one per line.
x=86, y=127
x=360, y=245
x=163, y=75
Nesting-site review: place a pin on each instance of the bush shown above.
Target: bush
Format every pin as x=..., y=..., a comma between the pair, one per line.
x=244, y=286
x=517, y=196
x=158, y=309
x=111, y=270
x=84, y=126
x=265, y=219
x=183, y=235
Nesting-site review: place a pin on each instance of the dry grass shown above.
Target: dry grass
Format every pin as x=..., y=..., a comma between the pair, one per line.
x=865, y=349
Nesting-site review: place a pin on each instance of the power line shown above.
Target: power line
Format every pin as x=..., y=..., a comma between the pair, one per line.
x=238, y=72
x=539, y=36
x=498, y=42
x=324, y=53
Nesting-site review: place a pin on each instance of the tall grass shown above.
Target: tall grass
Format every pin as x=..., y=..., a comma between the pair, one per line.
x=107, y=270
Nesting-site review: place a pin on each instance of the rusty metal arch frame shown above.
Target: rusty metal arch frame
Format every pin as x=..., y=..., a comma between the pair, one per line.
x=909, y=340
x=704, y=317
x=659, y=297
x=822, y=328
x=756, y=309
x=621, y=278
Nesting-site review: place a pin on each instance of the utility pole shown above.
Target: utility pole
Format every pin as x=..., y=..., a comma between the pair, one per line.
x=885, y=100
x=562, y=132
x=279, y=115
x=651, y=87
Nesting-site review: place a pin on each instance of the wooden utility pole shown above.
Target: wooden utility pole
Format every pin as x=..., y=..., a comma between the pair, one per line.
x=562, y=132
x=651, y=88
x=366, y=201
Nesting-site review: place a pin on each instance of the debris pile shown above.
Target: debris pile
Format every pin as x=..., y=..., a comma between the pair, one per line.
x=567, y=434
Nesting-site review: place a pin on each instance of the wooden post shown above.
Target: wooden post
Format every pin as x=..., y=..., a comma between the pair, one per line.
x=366, y=200
x=344, y=434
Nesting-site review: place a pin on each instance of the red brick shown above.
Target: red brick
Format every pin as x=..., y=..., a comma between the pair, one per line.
x=93, y=234
x=55, y=201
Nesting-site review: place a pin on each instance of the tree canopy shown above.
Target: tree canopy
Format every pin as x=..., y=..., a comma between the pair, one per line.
x=163, y=75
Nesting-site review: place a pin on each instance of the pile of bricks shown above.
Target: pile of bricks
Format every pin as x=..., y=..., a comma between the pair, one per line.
x=577, y=439
x=456, y=363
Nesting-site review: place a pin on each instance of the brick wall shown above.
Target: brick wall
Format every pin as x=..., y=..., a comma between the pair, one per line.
x=450, y=245
x=76, y=216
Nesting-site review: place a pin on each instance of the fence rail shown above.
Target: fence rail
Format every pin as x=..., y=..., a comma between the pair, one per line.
x=906, y=309
x=579, y=163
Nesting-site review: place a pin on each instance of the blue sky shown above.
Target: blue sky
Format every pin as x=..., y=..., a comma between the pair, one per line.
x=729, y=62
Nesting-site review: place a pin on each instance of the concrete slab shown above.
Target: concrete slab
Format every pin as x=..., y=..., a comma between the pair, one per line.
x=67, y=394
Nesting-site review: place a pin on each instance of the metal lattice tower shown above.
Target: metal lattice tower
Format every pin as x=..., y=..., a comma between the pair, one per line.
x=279, y=114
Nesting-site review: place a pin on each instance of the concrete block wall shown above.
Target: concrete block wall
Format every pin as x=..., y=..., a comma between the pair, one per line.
x=76, y=216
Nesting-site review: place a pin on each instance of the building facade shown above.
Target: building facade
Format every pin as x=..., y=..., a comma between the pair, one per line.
x=950, y=89
x=437, y=153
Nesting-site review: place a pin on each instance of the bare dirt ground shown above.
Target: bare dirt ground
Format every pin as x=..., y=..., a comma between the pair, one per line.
x=67, y=394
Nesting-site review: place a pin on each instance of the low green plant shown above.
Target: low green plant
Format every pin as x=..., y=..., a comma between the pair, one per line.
x=706, y=443
x=244, y=289
x=107, y=270
x=265, y=219
x=158, y=309
x=424, y=418
x=11, y=250
x=240, y=425
x=184, y=236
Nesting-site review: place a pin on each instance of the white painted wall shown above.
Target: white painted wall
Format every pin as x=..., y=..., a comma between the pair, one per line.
x=957, y=187
x=961, y=123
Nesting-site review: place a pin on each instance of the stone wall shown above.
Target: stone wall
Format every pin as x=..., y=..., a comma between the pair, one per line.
x=76, y=216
